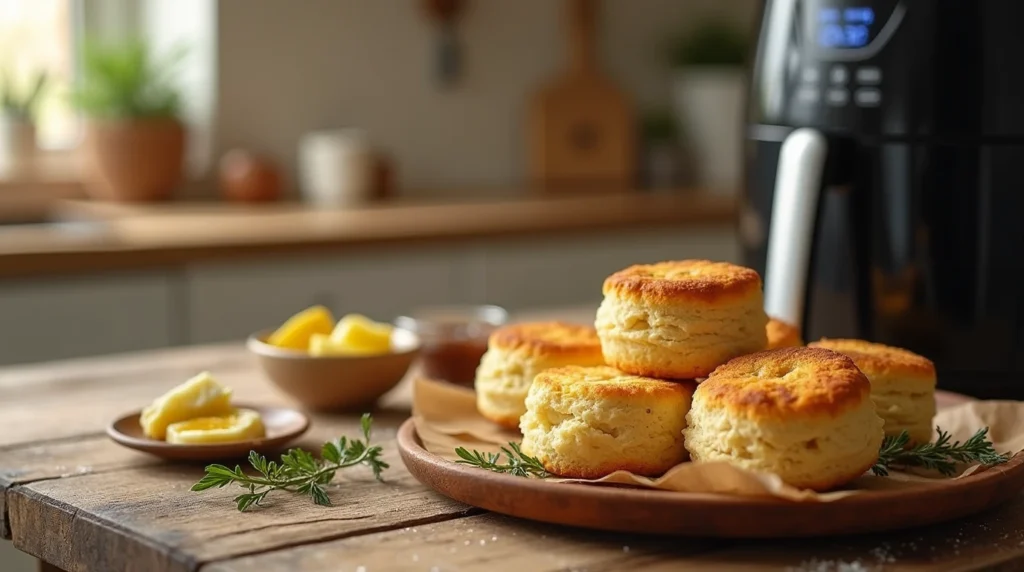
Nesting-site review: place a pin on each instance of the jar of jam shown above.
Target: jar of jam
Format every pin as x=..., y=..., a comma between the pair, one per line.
x=454, y=339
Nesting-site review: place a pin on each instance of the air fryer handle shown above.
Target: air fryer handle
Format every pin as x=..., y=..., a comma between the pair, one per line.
x=798, y=187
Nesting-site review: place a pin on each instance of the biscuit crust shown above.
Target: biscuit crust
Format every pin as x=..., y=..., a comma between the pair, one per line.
x=804, y=414
x=607, y=382
x=588, y=422
x=902, y=385
x=683, y=280
x=782, y=334
x=517, y=353
x=680, y=320
x=879, y=359
x=539, y=339
x=787, y=383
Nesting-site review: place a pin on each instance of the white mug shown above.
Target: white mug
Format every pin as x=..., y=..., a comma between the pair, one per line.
x=336, y=167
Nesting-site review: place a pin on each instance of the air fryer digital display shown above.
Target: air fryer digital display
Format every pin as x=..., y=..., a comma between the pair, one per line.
x=845, y=27
x=848, y=30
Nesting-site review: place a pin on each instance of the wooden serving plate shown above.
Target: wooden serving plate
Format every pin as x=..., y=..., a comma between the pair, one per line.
x=624, y=509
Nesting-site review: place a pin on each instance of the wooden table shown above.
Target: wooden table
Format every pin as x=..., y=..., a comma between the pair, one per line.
x=80, y=502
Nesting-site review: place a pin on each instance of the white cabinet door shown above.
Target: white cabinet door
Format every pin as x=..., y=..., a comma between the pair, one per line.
x=231, y=301
x=54, y=318
x=570, y=271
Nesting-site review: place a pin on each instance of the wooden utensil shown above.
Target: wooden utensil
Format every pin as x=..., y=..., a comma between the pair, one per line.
x=708, y=515
x=282, y=425
x=448, y=61
x=582, y=132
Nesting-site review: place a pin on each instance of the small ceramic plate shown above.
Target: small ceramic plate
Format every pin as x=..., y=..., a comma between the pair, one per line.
x=282, y=426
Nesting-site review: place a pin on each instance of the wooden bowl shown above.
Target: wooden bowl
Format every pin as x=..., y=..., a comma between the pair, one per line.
x=336, y=383
x=282, y=426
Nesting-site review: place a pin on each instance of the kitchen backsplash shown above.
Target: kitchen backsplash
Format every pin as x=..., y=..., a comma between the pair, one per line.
x=284, y=68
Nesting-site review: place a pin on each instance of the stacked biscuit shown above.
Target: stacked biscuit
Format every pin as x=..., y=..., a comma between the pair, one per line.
x=684, y=363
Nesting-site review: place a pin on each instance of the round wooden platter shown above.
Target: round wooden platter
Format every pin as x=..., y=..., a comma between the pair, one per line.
x=635, y=510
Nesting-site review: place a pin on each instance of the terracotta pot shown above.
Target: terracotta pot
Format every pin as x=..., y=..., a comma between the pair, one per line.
x=17, y=143
x=247, y=177
x=133, y=160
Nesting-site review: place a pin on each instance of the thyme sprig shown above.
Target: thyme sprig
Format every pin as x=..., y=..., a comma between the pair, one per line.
x=516, y=462
x=939, y=455
x=299, y=471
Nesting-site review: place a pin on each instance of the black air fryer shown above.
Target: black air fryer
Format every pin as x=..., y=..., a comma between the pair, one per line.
x=885, y=179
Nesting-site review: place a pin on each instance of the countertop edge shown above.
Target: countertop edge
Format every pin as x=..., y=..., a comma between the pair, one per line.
x=174, y=239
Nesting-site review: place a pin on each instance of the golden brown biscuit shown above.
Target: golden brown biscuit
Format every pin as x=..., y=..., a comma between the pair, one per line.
x=517, y=353
x=804, y=414
x=902, y=384
x=783, y=335
x=680, y=320
x=588, y=422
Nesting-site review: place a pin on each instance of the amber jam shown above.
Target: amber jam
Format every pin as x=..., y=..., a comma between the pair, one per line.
x=454, y=339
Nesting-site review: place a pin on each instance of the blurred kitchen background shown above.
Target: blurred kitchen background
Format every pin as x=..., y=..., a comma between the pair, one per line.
x=189, y=171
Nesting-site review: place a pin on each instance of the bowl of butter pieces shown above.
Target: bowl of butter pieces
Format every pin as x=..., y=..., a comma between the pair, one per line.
x=329, y=365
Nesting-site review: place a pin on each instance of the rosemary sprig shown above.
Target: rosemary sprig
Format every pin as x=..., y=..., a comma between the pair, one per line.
x=518, y=463
x=939, y=456
x=298, y=470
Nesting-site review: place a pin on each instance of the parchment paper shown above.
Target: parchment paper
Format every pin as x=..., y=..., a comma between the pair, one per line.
x=446, y=417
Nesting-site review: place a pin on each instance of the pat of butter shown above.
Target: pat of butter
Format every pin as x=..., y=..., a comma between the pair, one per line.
x=242, y=425
x=321, y=345
x=201, y=396
x=358, y=335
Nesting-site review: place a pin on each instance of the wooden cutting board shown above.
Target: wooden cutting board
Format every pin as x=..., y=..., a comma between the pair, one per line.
x=582, y=129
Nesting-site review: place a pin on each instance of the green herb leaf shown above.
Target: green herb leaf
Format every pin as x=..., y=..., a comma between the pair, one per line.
x=517, y=463
x=319, y=495
x=939, y=455
x=330, y=453
x=299, y=471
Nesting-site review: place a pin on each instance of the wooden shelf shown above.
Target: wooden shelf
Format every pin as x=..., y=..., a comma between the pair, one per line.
x=130, y=237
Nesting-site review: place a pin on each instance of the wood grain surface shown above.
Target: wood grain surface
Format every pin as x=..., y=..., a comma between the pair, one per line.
x=81, y=502
x=177, y=235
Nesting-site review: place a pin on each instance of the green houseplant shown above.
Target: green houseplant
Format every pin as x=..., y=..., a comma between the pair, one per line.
x=18, y=109
x=134, y=145
x=662, y=153
x=708, y=95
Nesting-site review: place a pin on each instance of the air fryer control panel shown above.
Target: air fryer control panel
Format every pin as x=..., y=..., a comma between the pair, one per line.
x=891, y=68
x=841, y=40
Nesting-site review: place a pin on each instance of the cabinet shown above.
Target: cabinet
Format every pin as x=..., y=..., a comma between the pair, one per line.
x=46, y=320
x=204, y=303
x=231, y=301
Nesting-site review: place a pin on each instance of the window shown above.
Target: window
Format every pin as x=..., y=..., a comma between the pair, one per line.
x=44, y=35
x=35, y=36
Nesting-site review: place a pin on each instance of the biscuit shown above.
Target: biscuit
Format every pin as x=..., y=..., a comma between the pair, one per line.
x=783, y=335
x=902, y=385
x=804, y=414
x=680, y=320
x=588, y=422
x=517, y=353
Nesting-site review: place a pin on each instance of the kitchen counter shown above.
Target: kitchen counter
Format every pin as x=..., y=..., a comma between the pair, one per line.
x=93, y=237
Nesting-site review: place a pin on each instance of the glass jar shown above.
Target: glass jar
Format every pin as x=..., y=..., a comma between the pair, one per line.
x=454, y=339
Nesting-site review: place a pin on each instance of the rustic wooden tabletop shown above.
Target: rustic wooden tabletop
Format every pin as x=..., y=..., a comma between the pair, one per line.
x=80, y=502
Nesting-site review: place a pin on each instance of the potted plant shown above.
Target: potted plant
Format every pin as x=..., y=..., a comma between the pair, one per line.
x=18, y=120
x=662, y=150
x=708, y=97
x=134, y=145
